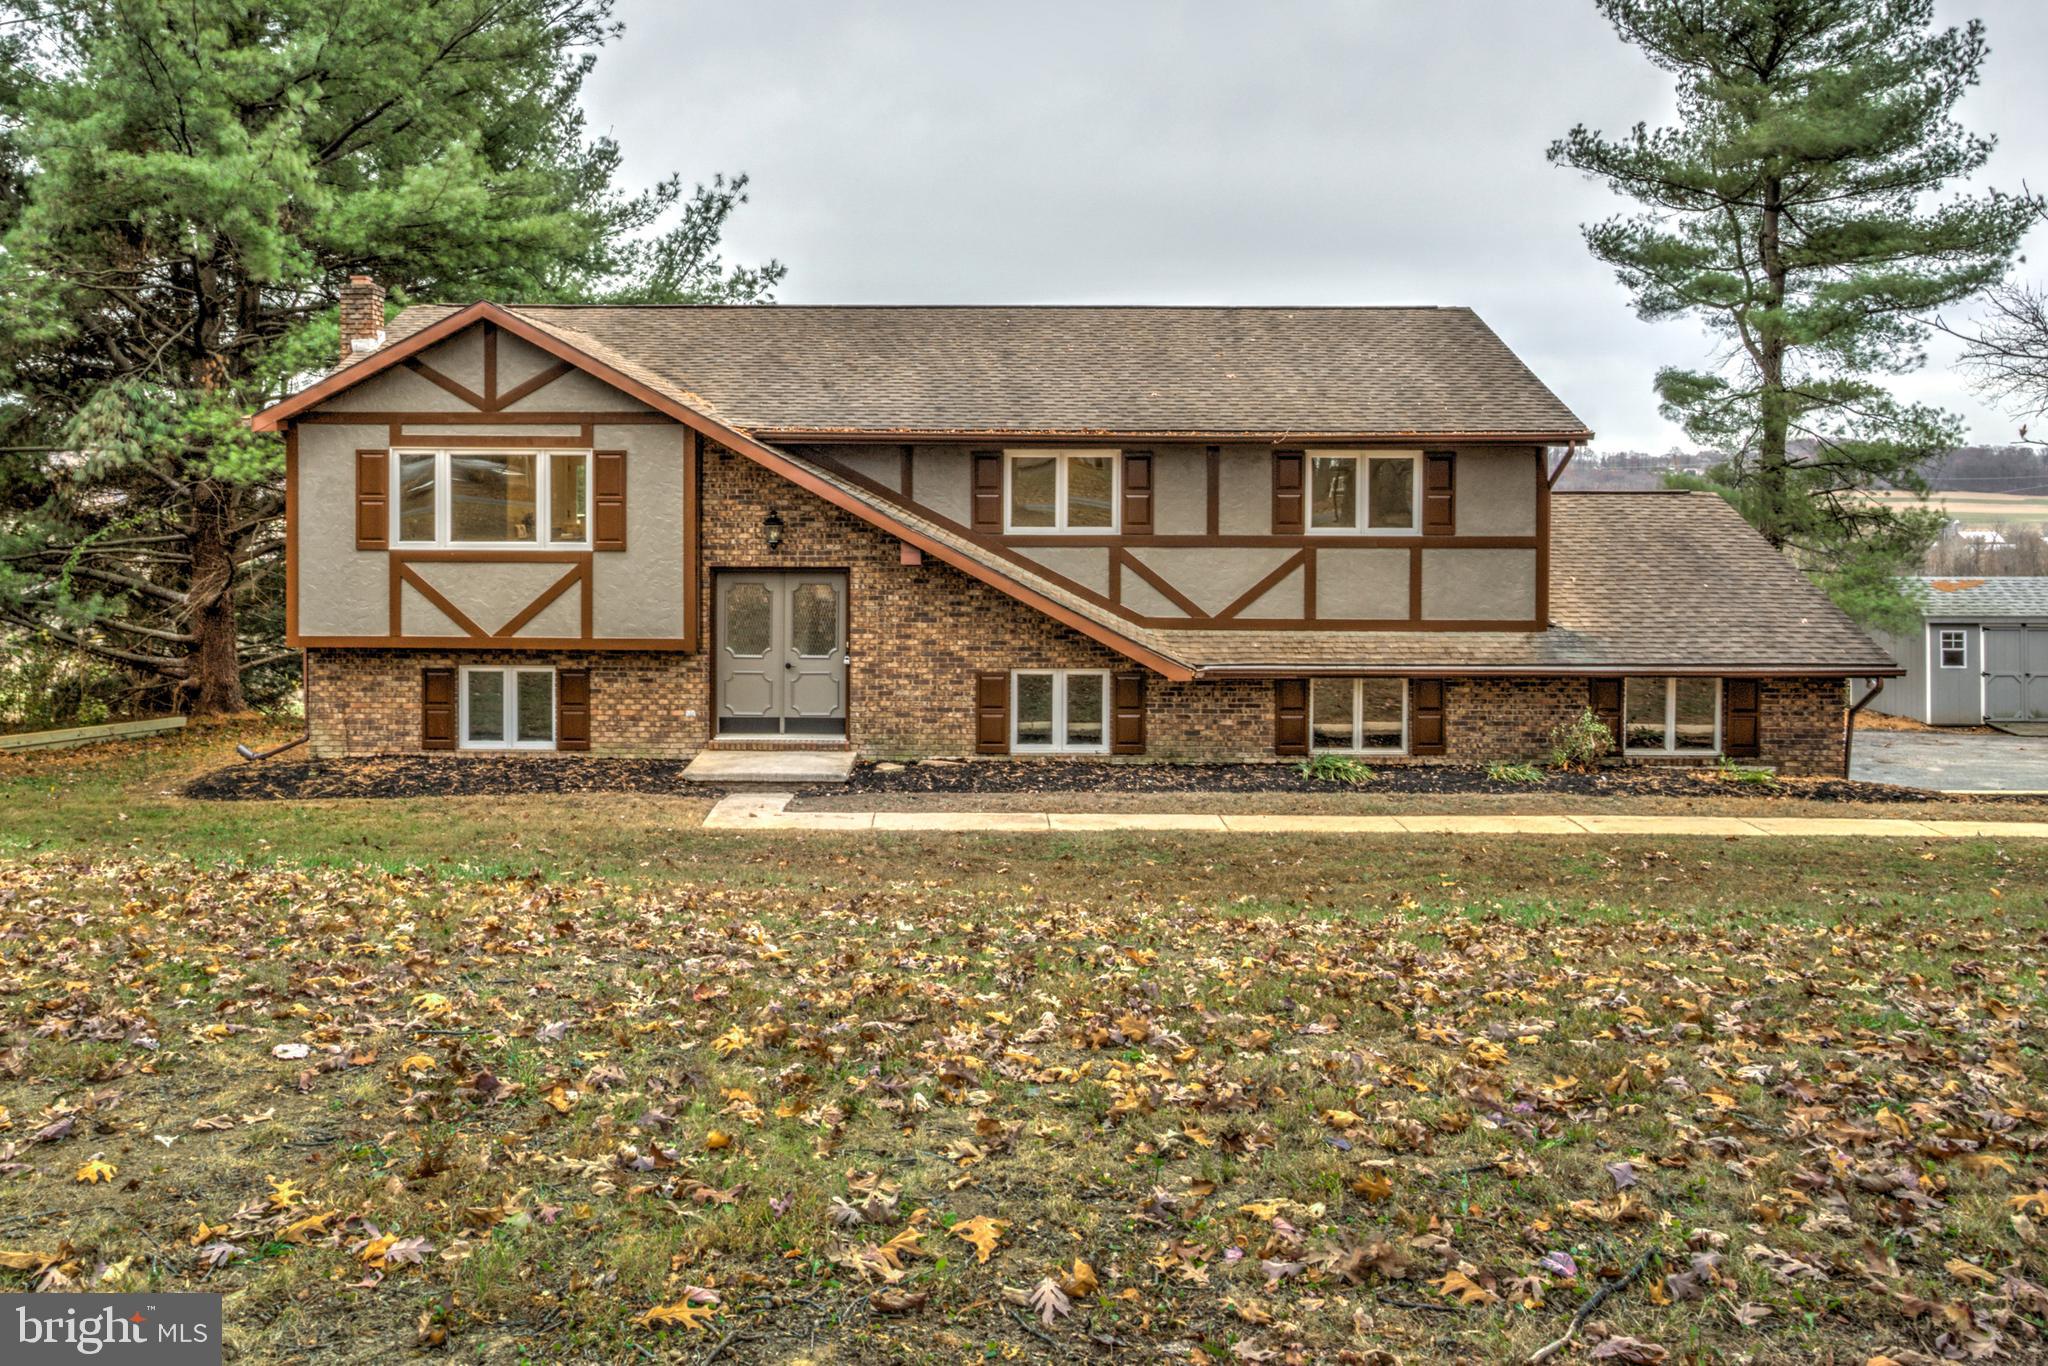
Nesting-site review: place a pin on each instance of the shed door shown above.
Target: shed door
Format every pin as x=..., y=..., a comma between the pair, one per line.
x=1955, y=679
x=2005, y=673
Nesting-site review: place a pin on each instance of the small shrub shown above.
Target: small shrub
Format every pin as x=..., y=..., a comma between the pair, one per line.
x=1580, y=743
x=1502, y=772
x=1337, y=768
x=1749, y=775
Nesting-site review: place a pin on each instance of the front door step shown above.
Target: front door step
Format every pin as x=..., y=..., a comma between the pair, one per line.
x=728, y=767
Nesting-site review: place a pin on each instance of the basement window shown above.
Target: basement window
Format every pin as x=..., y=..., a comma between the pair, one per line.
x=486, y=499
x=508, y=709
x=1955, y=650
x=1359, y=715
x=1060, y=491
x=1671, y=715
x=1059, y=711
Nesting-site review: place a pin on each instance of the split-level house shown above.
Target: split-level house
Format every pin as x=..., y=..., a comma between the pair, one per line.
x=1178, y=533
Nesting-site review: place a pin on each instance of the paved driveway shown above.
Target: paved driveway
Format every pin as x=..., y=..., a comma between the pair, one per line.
x=1933, y=758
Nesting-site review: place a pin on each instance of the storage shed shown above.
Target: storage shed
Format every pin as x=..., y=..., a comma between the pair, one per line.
x=1980, y=654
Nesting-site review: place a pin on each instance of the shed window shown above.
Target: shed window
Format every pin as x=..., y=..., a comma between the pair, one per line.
x=508, y=709
x=492, y=498
x=1060, y=491
x=1359, y=715
x=1955, y=650
x=1671, y=715
x=1355, y=492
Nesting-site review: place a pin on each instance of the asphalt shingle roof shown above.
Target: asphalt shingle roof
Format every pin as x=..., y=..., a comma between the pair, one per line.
x=1075, y=370
x=1638, y=581
x=2012, y=596
x=1642, y=582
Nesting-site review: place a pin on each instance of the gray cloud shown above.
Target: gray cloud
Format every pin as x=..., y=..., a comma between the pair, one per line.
x=1314, y=153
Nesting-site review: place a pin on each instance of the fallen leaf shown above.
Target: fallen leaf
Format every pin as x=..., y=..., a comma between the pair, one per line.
x=983, y=1232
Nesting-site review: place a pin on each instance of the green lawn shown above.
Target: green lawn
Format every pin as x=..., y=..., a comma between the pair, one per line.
x=571, y=1079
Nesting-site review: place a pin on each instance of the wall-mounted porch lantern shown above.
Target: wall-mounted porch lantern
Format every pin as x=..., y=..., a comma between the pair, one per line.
x=771, y=529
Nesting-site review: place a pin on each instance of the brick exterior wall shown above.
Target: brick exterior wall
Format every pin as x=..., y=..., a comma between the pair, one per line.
x=917, y=635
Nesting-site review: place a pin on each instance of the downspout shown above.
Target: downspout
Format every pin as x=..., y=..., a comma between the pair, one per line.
x=306, y=690
x=1849, y=722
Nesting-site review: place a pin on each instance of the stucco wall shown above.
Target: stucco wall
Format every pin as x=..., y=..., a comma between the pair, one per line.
x=638, y=593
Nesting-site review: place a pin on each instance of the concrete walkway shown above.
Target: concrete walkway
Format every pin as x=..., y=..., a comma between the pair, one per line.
x=769, y=811
x=730, y=766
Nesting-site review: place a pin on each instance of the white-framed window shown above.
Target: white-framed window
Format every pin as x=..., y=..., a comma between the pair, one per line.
x=507, y=708
x=1358, y=491
x=491, y=499
x=1059, y=711
x=1671, y=715
x=1358, y=715
x=1955, y=649
x=1046, y=490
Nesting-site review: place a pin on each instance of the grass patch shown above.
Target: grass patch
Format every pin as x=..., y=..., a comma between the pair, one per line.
x=1500, y=772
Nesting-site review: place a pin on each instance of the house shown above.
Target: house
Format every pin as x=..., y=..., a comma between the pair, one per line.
x=1185, y=533
x=1978, y=654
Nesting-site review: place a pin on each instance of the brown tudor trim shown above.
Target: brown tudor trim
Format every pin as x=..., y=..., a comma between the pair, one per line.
x=435, y=377
x=764, y=455
x=402, y=574
x=1264, y=586
x=1121, y=558
x=291, y=536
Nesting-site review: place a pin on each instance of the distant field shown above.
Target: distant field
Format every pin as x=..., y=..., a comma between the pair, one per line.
x=1983, y=507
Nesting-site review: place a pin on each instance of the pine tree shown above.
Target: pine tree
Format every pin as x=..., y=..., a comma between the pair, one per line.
x=183, y=189
x=1796, y=208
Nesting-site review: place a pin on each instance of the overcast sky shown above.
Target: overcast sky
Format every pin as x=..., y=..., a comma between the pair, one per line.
x=1369, y=152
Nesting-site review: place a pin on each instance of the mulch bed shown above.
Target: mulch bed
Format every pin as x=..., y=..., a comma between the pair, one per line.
x=492, y=776
x=437, y=775
x=1084, y=775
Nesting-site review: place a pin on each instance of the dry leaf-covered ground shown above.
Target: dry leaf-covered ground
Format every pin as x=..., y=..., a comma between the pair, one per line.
x=574, y=1080
x=846, y=1106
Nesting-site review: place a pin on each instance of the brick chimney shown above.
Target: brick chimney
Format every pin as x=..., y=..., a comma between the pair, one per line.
x=362, y=317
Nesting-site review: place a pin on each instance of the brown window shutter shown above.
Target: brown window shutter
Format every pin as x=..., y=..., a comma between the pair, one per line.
x=437, y=709
x=988, y=490
x=1603, y=695
x=992, y=713
x=1137, y=493
x=1741, y=722
x=373, y=500
x=1287, y=494
x=1290, y=716
x=1127, y=712
x=608, y=500
x=572, y=709
x=1439, y=494
x=1426, y=716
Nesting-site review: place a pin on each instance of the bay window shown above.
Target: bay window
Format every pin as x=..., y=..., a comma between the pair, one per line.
x=1059, y=711
x=492, y=498
x=1671, y=715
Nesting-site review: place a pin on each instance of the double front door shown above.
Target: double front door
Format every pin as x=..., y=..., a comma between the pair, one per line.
x=2016, y=673
x=781, y=653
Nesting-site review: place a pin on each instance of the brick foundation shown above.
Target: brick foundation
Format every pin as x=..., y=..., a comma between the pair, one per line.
x=918, y=634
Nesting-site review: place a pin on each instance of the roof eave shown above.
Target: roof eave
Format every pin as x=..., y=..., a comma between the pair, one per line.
x=827, y=434
x=1788, y=670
